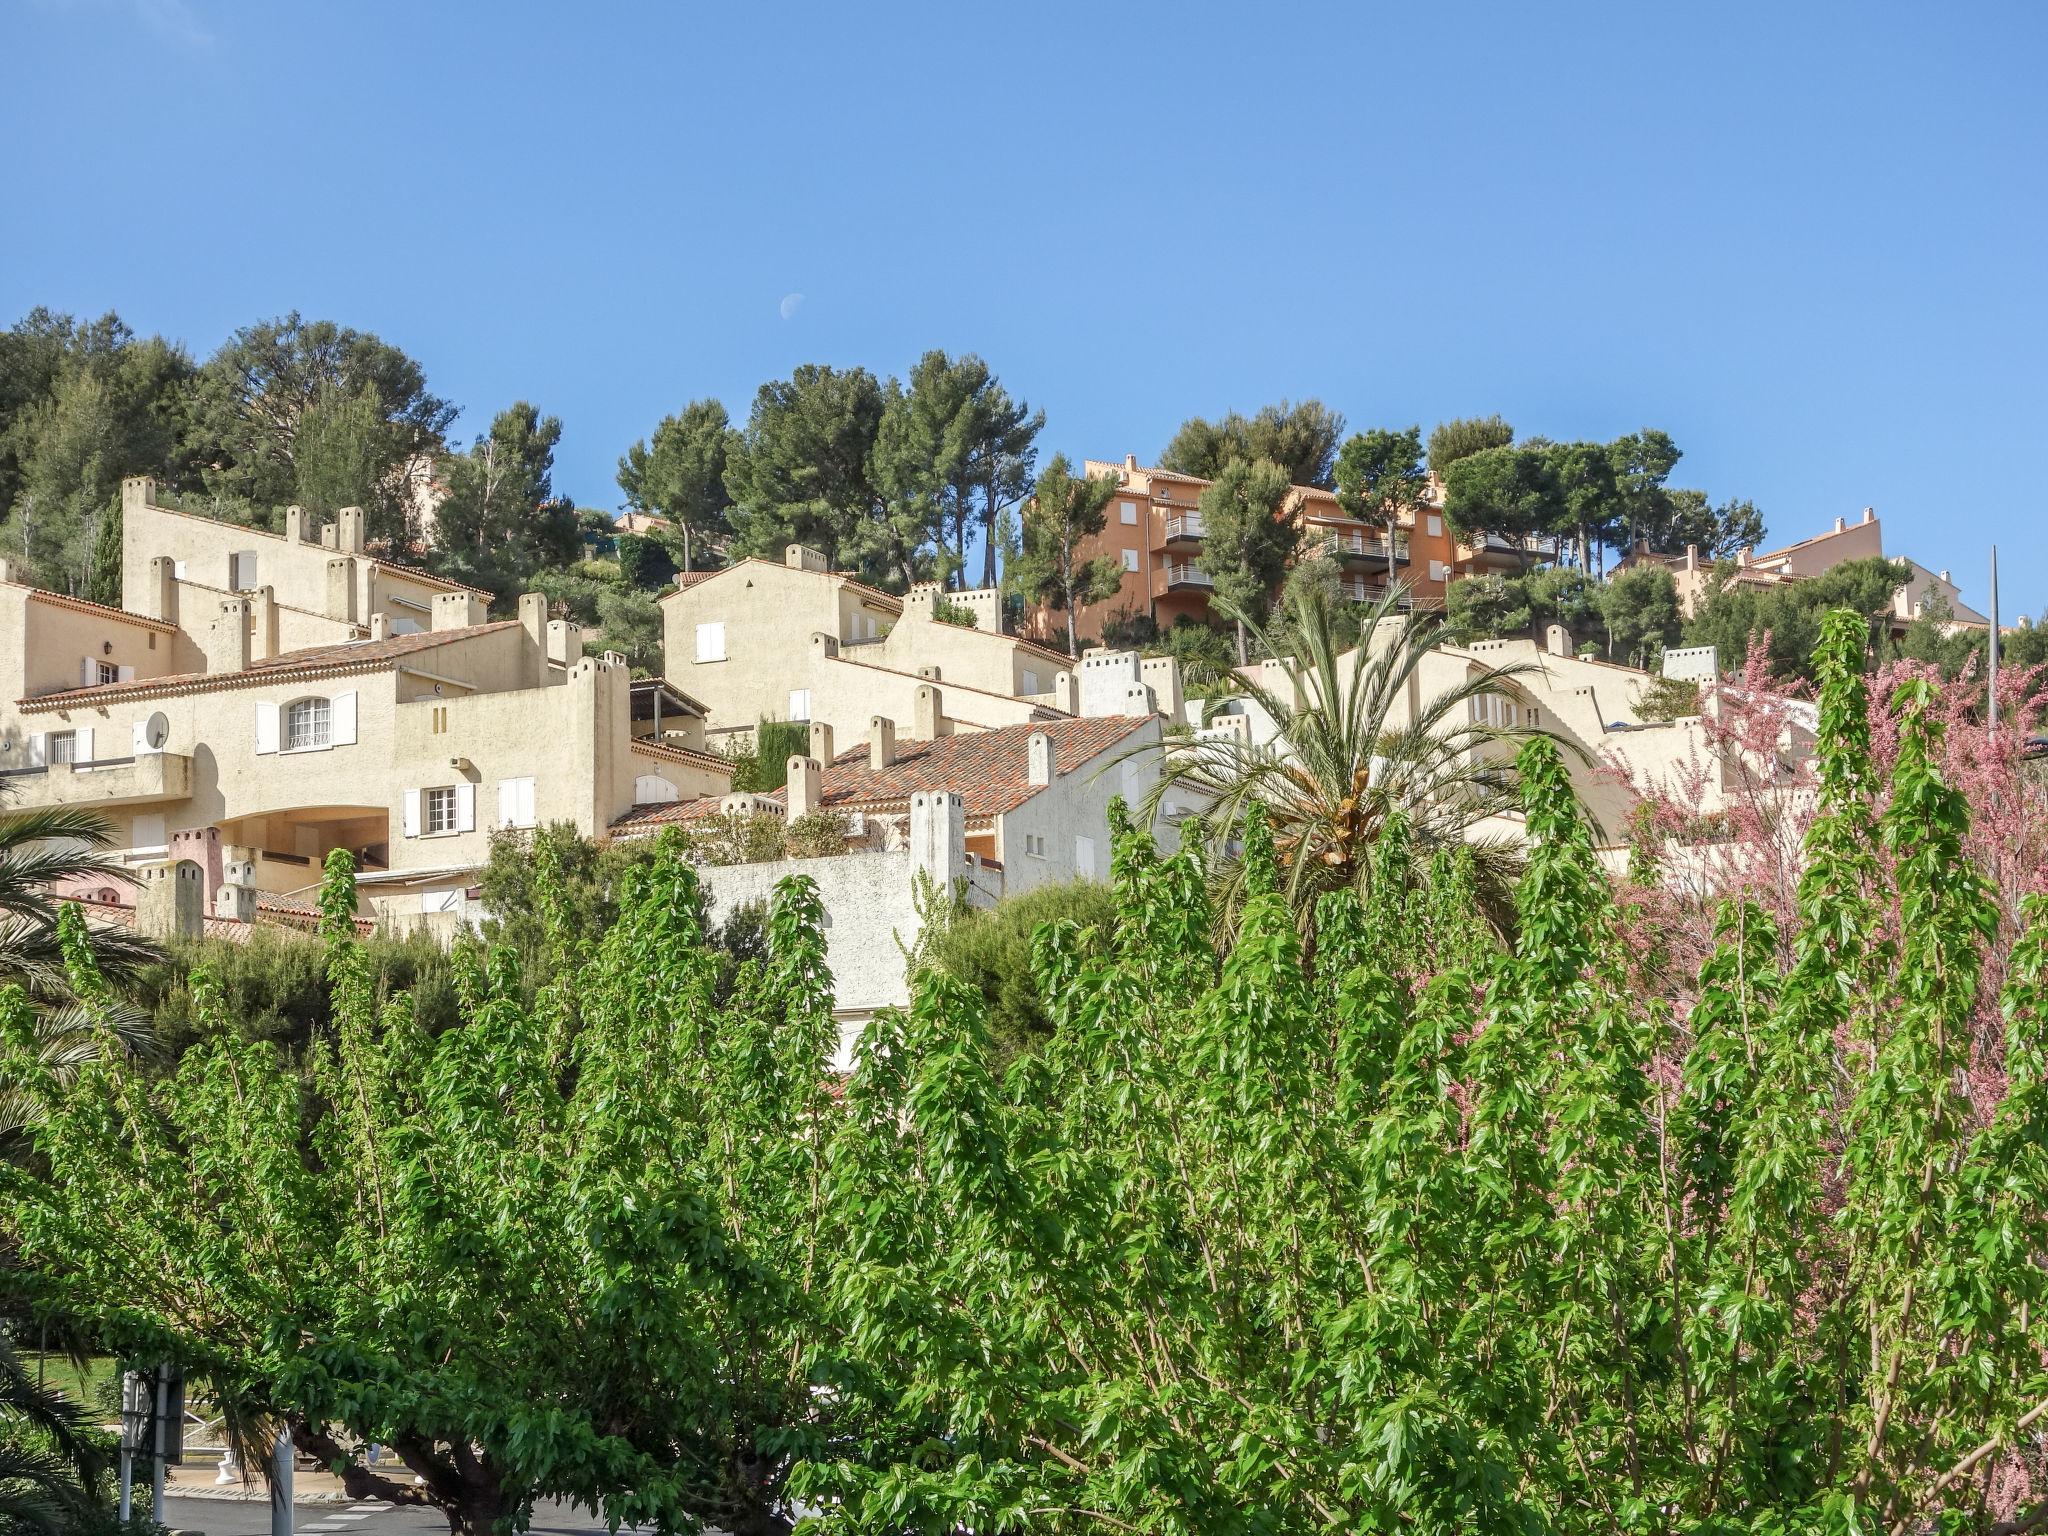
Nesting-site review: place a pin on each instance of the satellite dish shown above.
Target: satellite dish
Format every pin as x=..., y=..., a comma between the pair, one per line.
x=156, y=731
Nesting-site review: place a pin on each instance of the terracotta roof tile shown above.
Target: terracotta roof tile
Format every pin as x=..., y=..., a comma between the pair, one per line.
x=989, y=770
x=353, y=655
x=96, y=610
x=644, y=818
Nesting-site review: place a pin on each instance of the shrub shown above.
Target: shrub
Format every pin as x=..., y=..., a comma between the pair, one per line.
x=990, y=950
x=818, y=835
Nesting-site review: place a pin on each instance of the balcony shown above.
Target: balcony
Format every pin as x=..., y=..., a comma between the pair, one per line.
x=1354, y=546
x=103, y=781
x=1184, y=528
x=1186, y=574
x=1358, y=590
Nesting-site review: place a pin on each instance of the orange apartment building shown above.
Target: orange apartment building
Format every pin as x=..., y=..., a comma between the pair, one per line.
x=1154, y=527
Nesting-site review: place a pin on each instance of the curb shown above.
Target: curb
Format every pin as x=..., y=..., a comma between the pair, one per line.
x=235, y=1495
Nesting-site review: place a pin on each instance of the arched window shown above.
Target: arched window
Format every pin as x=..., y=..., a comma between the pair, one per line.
x=307, y=723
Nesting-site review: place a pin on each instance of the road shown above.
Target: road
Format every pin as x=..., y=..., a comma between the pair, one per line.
x=372, y=1517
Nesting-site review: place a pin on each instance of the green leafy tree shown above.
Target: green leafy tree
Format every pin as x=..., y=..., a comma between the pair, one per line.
x=1642, y=462
x=341, y=454
x=1247, y=538
x=1789, y=614
x=680, y=475
x=1587, y=507
x=1380, y=477
x=1686, y=518
x=1302, y=439
x=81, y=407
x=1487, y=606
x=1640, y=609
x=1064, y=512
x=572, y=1247
x=254, y=396
x=990, y=950
x=1406, y=1230
x=799, y=472
x=1508, y=492
x=1463, y=436
x=501, y=521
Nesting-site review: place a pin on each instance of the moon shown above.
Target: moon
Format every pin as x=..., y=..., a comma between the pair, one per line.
x=791, y=302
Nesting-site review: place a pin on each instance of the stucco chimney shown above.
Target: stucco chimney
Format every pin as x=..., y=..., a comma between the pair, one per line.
x=1692, y=557
x=1944, y=577
x=379, y=626
x=1041, y=759
x=881, y=742
x=1742, y=555
x=327, y=536
x=821, y=741
x=295, y=525
x=137, y=491
x=348, y=534
x=1131, y=462
x=1870, y=514
x=929, y=714
x=938, y=836
x=801, y=557
x=806, y=786
x=456, y=610
x=1066, y=693
x=1841, y=524
x=1557, y=640
x=263, y=606
x=341, y=590
x=565, y=642
x=170, y=900
x=161, y=600
x=226, y=641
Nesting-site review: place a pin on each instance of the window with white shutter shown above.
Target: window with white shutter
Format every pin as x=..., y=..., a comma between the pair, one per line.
x=465, y=808
x=342, y=724
x=1130, y=559
x=82, y=744
x=1436, y=526
x=515, y=802
x=1128, y=511
x=124, y=674
x=1436, y=570
x=38, y=750
x=800, y=704
x=711, y=642
x=242, y=571
x=411, y=820
x=61, y=747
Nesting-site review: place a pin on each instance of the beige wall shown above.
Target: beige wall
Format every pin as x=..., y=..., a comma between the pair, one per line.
x=792, y=633
x=54, y=639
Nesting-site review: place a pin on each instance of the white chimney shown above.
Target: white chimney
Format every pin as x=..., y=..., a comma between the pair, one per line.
x=1041, y=767
x=881, y=742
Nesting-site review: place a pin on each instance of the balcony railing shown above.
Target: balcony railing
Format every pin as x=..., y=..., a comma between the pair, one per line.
x=1186, y=574
x=1184, y=528
x=1363, y=546
x=1358, y=591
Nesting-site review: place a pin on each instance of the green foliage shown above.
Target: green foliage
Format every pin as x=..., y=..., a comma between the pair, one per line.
x=553, y=886
x=1247, y=538
x=1380, y=475
x=274, y=986
x=953, y=613
x=1063, y=513
x=990, y=950
x=81, y=406
x=501, y=522
x=357, y=409
x=1640, y=609
x=570, y=1247
x=1665, y=698
x=1735, y=612
x=681, y=476
x=1302, y=439
x=1461, y=437
x=817, y=835
x=765, y=767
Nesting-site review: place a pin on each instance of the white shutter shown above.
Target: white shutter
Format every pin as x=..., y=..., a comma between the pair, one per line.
x=711, y=642
x=412, y=813
x=141, y=737
x=266, y=726
x=465, y=808
x=508, y=802
x=38, y=750
x=81, y=746
x=88, y=674
x=1084, y=856
x=124, y=674
x=800, y=704
x=341, y=720
x=526, y=803
x=147, y=832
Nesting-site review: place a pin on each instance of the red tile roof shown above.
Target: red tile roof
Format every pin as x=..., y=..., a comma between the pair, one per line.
x=989, y=770
x=96, y=610
x=351, y=656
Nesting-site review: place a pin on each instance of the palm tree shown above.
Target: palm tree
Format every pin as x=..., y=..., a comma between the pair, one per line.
x=52, y=1462
x=38, y=848
x=1353, y=749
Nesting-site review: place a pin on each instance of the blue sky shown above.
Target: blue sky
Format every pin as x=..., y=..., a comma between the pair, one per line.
x=1808, y=240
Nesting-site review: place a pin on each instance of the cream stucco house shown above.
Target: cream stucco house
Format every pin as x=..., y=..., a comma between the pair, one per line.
x=259, y=701
x=796, y=641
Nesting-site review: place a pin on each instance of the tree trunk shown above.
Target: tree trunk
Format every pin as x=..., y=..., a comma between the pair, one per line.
x=1243, y=654
x=686, y=547
x=988, y=534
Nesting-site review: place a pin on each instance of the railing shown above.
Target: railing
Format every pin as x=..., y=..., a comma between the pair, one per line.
x=1363, y=546
x=1360, y=592
x=1184, y=526
x=1185, y=575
